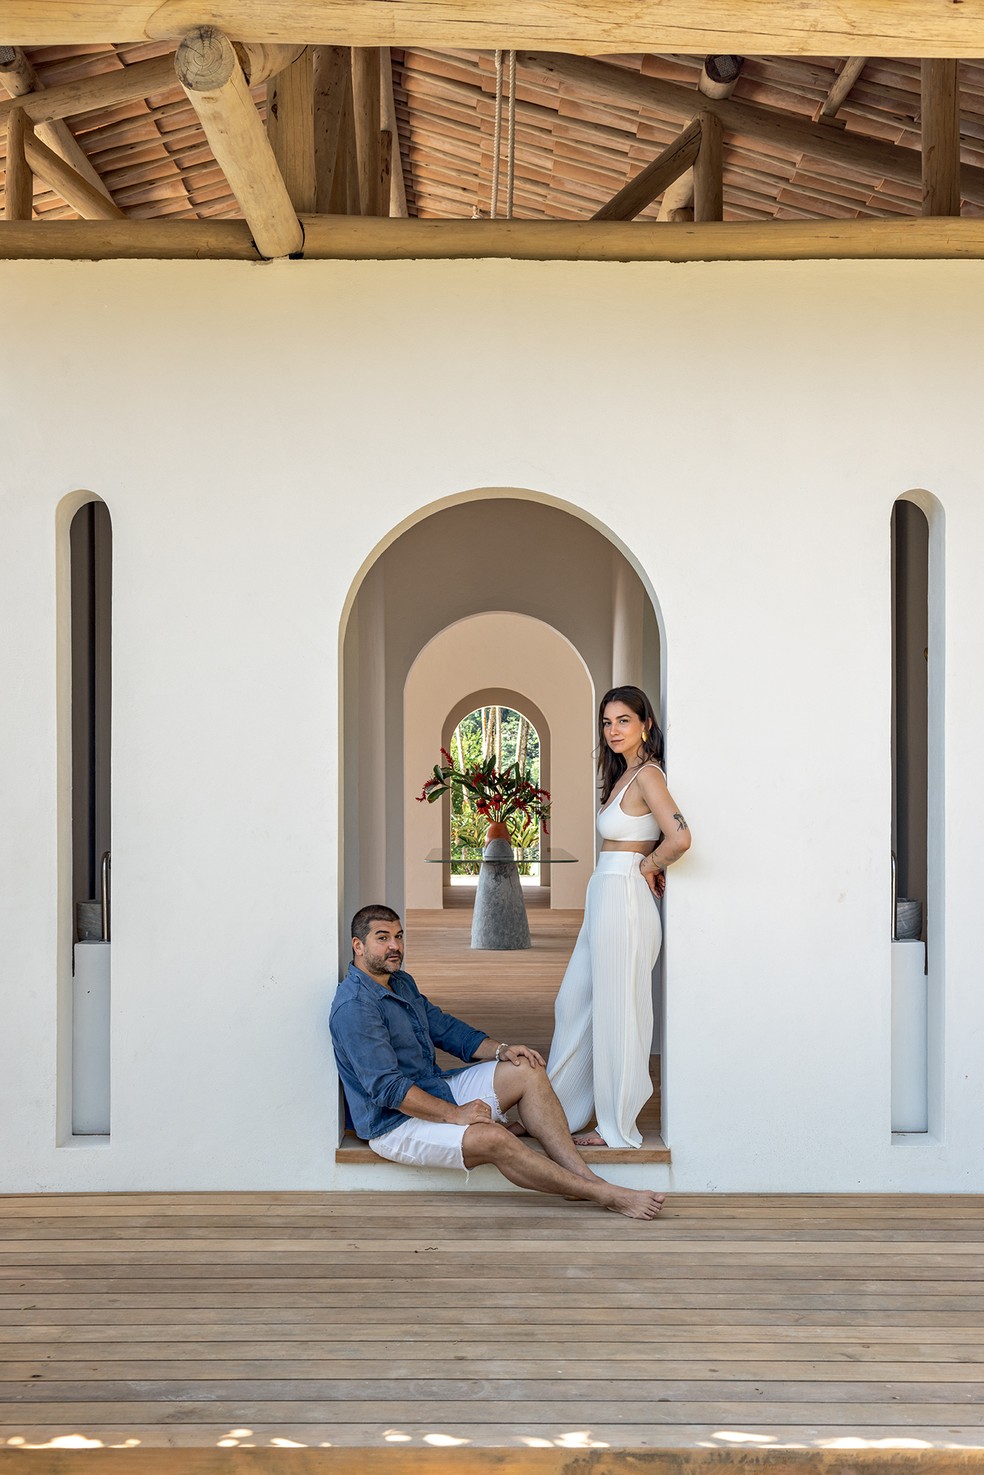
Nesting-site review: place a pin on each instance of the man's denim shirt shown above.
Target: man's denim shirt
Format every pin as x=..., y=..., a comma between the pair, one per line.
x=384, y=1043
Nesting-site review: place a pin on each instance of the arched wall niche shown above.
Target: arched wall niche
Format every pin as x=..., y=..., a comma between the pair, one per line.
x=919, y=743
x=66, y=594
x=487, y=550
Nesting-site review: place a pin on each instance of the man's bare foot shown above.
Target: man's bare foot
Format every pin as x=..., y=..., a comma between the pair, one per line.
x=516, y=1128
x=589, y=1139
x=636, y=1203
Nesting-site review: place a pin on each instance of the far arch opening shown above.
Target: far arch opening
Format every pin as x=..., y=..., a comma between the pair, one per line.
x=460, y=829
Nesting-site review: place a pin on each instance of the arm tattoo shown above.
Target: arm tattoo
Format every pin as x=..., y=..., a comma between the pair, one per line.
x=681, y=822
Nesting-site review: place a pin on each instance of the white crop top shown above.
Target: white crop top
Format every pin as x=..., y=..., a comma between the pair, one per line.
x=615, y=824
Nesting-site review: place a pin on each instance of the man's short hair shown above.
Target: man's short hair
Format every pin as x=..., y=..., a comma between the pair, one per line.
x=365, y=916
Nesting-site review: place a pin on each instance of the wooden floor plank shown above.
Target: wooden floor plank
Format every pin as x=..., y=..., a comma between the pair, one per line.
x=509, y=1364
x=496, y=1320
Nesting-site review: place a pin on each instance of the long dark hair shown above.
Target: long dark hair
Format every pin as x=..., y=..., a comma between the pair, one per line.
x=611, y=765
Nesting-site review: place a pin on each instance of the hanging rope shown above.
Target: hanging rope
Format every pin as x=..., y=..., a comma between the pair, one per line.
x=511, y=138
x=496, y=136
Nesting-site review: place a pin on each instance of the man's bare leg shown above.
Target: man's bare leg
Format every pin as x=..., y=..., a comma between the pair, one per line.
x=487, y=1142
x=528, y=1088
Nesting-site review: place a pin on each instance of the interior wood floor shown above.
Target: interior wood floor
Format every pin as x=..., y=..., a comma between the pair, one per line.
x=447, y=1324
x=510, y=995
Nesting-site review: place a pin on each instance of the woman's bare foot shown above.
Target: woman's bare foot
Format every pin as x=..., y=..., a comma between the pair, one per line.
x=589, y=1139
x=636, y=1203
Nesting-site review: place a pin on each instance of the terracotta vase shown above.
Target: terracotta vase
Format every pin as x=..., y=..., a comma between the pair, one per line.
x=497, y=830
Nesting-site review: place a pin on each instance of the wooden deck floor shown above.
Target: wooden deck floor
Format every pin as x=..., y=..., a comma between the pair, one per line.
x=442, y=1323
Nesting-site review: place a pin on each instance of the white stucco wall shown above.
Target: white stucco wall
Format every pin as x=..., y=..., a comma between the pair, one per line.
x=749, y=472
x=530, y=658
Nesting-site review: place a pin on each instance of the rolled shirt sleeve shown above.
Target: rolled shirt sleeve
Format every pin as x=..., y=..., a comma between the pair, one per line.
x=452, y=1035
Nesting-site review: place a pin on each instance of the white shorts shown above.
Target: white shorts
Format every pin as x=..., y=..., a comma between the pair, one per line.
x=438, y=1144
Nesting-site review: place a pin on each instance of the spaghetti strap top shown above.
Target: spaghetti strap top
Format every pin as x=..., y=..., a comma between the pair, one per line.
x=615, y=824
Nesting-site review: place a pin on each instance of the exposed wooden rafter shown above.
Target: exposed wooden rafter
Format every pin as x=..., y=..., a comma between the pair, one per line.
x=210, y=72
x=366, y=87
x=398, y=183
x=620, y=85
x=718, y=78
x=19, y=77
x=708, y=171
x=641, y=190
x=332, y=81
x=841, y=89
x=941, y=174
x=290, y=127
x=73, y=187
x=905, y=28
x=19, y=181
x=107, y=90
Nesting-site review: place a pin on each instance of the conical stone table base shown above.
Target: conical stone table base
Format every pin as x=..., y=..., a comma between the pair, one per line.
x=499, y=921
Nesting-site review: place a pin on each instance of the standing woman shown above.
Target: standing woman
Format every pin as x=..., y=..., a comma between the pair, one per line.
x=603, y=1017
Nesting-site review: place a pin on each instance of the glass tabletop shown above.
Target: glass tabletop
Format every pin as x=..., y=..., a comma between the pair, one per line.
x=470, y=855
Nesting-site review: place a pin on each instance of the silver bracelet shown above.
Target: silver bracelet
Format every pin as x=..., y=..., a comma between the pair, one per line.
x=499, y=1049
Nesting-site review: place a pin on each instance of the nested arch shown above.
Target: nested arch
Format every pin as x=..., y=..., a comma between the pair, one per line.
x=491, y=696
x=476, y=553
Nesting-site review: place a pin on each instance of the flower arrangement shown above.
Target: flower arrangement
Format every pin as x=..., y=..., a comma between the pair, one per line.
x=497, y=795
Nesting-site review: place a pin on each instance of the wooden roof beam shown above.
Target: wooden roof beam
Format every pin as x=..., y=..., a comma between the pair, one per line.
x=19, y=77
x=290, y=128
x=355, y=238
x=903, y=28
x=108, y=89
x=133, y=83
x=74, y=188
x=940, y=138
x=366, y=94
x=709, y=171
x=398, y=182
x=784, y=130
x=333, y=123
x=214, y=82
x=18, y=188
x=718, y=78
x=644, y=187
x=841, y=89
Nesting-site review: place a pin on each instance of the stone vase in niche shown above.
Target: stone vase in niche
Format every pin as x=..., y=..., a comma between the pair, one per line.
x=499, y=921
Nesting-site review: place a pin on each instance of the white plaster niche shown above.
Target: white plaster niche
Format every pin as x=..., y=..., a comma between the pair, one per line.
x=917, y=837
x=85, y=754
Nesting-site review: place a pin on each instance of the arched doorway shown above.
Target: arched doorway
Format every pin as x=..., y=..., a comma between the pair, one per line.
x=444, y=613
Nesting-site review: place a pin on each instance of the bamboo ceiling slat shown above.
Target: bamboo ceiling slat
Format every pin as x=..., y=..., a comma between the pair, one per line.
x=573, y=151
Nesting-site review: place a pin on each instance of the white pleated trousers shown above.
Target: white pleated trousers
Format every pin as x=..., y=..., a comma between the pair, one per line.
x=603, y=1016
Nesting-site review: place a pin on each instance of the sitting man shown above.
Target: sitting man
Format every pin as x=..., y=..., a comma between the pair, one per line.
x=385, y=1032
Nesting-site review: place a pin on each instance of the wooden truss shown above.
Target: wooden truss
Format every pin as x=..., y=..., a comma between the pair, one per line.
x=317, y=181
